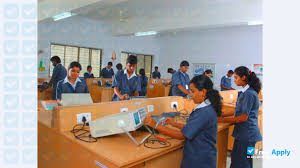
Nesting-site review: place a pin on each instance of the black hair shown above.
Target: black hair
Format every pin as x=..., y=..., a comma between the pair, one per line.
x=204, y=82
x=119, y=66
x=251, y=78
x=109, y=63
x=142, y=72
x=184, y=63
x=208, y=71
x=88, y=67
x=156, y=67
x=55, y=59
x=170, y=70
x=74, y=64
x=230, y=72
x=131, y=59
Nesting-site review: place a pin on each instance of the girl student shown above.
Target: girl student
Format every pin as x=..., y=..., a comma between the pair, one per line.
x=72, y=83
x=200, y=130
x=246, y=131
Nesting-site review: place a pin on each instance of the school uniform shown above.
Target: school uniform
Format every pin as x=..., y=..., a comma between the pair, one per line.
x=199, y=149
x=144, y=83
x=59, y=73
x=246, y=134
x=88, y=75
x=225, y=81
x=182, y=79
x=125, y=84
x=156, y=75
x=65, y=86
x=170, y=92
x=107, y=73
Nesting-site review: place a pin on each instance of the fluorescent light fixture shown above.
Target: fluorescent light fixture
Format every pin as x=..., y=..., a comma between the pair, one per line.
x=63, y=16
x=145, y=33
x=251, y=23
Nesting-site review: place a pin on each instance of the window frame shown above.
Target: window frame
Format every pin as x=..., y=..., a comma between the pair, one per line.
x=78, y=55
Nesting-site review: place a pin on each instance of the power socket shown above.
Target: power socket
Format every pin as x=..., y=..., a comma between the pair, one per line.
x=150, y=108
x=174, y=105
x=88, y=117
x=123, y=110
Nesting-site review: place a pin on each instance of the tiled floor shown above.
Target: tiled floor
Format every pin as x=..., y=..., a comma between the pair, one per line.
x=257, y=163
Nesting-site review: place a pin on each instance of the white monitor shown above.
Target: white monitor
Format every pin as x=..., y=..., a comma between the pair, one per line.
x=68, y=99
x=117, y=123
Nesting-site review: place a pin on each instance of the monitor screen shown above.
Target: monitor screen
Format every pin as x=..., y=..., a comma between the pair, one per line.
x=136, y=118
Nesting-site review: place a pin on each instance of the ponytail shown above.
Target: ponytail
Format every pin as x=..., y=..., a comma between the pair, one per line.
x=251, y=78
x=204, y=82
x=215, y=100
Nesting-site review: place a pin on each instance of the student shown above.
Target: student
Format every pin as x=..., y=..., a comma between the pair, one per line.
x=72, y=83
x=180, y=80
x=246, y=131
x=119, y=67
x=208, y=73
x=59, y=73
x=107, y=72
x=171, y=71
x=126, y=83
x=144, y=82
x=156, y=74
x=226, y=81
x=200, y=130
x=89, y=73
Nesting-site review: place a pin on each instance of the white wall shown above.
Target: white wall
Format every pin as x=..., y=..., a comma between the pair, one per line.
x=81, y=31
x=227, y=47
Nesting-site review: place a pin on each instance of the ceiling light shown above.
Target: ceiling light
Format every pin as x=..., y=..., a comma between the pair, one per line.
x=145, y=33
x=251, y=23
x=63, y=16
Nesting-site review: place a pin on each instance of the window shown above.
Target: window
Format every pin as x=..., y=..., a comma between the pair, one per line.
x=85, y=56
x=143, y=61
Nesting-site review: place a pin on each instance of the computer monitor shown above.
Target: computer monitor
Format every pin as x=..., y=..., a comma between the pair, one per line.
x=68, y=99
x=117, y=123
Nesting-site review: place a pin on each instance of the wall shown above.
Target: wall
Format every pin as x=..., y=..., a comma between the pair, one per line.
x=81, y=31
x=227, y=47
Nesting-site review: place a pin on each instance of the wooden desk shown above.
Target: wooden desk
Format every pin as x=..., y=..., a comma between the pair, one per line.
x=158, y=88
x=58, y=148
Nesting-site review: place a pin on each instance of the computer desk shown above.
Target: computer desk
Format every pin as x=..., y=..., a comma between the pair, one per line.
x=58, y=148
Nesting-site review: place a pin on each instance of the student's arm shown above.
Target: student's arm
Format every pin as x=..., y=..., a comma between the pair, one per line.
x=181, y=88
x=158, y=75
x=117, y=92
x=162, y=129
x=228, y=114
x=138, y=87
x=54, y=75
x=245, y=108
x=86, y=75
x=222, y=86
x=58, y=90
x=235, y=120
x=171, y=121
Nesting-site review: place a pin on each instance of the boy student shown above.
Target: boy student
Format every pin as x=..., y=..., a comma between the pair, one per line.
x=89, y=73
x=126, y=83
x=208, y=73
x=226, y=81
x=72, y=83
x=107, y=72
x=180, y=80
x=156, y=73
x=59, y=73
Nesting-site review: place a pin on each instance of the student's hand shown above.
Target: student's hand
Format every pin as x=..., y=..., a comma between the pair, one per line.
x=220, y=119
x=59, y=102
x=170, y=121
x=149, y=121
x=124, y=97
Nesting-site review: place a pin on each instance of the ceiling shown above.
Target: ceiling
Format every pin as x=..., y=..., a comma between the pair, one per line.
x=126, y=17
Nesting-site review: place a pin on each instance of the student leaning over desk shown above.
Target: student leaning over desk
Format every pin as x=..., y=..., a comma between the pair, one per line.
x=246, y=131
x=200, y=130
x=72, y=83
x=126, y=83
